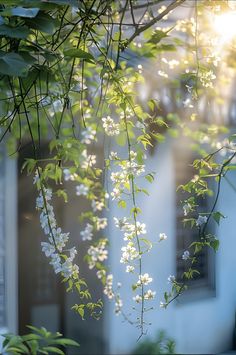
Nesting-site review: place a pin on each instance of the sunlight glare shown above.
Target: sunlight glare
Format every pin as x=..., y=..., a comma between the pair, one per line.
x=225, y=26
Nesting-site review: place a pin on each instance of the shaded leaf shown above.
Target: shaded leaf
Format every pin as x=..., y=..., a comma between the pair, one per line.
x=20, y=11
x=20, y=32
x=79, y=53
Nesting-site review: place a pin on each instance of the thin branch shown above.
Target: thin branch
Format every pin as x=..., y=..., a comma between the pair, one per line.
x=169, y=8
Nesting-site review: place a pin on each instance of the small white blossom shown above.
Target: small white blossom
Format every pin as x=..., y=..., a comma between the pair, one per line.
x=186, y=255
x=82, y=190
x=201, y=220
x=171, y=279
x=140, y=228
x=108, y=289
x=88, y=135
x=188, y=103
x=129, y=268
x=118, y=305
x=111, y=128
x=87, y=234
x=187, y=208
x=101, y=274
x=101, y=223
x=97, y=205
x=144, y=279
x=47, y=248
x=113, y=156
x=149, y=295
x=129, y=253
x=162, y=236
x=137, y=299
x=97, y=253
x=67, y=174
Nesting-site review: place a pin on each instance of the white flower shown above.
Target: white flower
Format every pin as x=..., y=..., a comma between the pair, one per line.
x=201, y=220
x=88, y=160
x=69, y=269
x=187, y=208
x=47, y=248
x=140, y=228
x=67, y=174
x=144, y=279
x=108, y=289
x=171, y=279
x=111, y=128
x=149, y=295
x=137, y=298
x=116, y=193
x=97, y=253
x=101, y=223
x=163, y=305
x=186, y=255
x=113, y=156
x=82, y=190
x=162, y=236
x=121, y=223
x=187, y=103
x=97, y=205
x=88, y=135
x=129, y=253
x=129, y=268
x=101, y=274
x=36, y=178
x=56, y=262
x=162, y=73
x=73, y=253
x=118, y=305
x=87, y=234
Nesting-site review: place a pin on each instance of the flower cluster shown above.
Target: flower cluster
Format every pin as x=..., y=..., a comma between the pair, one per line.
x=121, y=178
x=88, y=135
x=97, y=253
x=54, y=248
x=201, y=220
x=111, y=128
x=108, y=289
x=186, y=255
x=87, y=234
x=129, y=253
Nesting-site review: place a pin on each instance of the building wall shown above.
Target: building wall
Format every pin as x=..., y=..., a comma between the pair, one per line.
x=8, y=245
x=198, y=324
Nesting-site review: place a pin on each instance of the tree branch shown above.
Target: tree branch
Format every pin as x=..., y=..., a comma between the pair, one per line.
x=169, y=8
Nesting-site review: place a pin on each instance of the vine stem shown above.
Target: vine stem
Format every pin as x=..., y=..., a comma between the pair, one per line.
x=135, y=224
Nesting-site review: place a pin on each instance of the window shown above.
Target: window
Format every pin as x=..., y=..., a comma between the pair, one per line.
x=185, y=235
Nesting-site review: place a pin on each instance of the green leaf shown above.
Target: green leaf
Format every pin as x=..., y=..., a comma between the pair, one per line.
x=31, y=336
x=215, y=244
x=79, y=53
x=232, y=138
x=157, y=36
x=53, y=349
x=65, y=341
x=43, y=22
x=122, y=204
x=217, y=216
x=20, y=32
x=20, y=11
x=149, y=178
x=13, y=64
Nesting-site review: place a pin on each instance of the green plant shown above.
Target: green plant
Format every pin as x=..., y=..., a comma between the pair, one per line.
x=161, y=344
x=39, y=341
